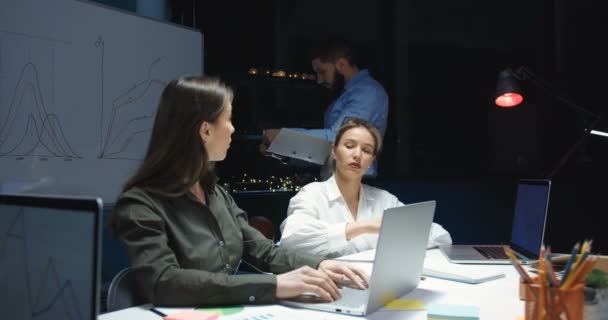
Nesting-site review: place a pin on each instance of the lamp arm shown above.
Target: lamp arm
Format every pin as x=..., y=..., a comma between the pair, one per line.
x=562, y=161
x=523, y=73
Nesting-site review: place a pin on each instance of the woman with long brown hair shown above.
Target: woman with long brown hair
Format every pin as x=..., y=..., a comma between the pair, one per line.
x=184, y=234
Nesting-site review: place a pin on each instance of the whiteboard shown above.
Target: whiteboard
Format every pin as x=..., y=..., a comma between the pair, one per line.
x=79, y=88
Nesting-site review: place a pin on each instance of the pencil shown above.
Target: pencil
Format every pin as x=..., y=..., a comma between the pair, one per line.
x=584, y=249
x=555, y=299
x=551, y=270
x=580, y=273
x=541, y=303
x=569, y=263
x=522, y=273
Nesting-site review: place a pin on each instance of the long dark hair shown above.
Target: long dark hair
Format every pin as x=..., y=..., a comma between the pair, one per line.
x=176, y=158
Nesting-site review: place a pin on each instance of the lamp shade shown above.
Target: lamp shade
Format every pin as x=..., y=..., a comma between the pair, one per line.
x=508, y=93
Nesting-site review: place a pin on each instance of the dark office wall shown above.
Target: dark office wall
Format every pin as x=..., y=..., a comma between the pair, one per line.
x=304, y=23
x=455, y=51
x=238, y=34
x=581, y=68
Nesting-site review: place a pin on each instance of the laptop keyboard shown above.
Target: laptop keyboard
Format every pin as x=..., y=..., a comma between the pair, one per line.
x=490, y=252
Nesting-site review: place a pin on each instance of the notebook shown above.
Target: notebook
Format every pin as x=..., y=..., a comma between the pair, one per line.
x=299, y=145
x=527, y=231
x=398, y=263
x=49, y=257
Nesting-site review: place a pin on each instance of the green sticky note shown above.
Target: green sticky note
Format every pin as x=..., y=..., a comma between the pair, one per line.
x=403, y=304
x=452, y=312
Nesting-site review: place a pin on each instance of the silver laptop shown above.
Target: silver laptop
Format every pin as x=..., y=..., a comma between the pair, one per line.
x=50, y=255
x=398, y=263
x=299, y=145
x=527, y=232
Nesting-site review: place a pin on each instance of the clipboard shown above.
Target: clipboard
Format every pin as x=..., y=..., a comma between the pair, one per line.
x=299, y=145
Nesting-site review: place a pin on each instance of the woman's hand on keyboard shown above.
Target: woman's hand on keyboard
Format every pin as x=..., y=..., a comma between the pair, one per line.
x=307, y=279
x=341, y=272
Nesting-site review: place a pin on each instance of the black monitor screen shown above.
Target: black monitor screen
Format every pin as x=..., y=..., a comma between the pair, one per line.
x=49, y=258
x=530, y=213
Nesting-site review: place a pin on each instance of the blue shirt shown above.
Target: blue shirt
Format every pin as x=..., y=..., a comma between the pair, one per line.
x=362, y=97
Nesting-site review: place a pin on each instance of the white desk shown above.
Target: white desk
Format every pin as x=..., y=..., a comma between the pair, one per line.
x=497, y=300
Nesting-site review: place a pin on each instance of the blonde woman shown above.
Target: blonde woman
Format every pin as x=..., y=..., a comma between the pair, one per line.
x=342, y=215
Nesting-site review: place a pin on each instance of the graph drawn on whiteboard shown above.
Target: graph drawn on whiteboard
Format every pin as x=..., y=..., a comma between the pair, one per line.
x=126, y=121
x=29, y=127
x=79, y=88
x=40, y=284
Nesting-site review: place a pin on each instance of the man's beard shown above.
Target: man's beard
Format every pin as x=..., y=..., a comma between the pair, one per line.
x=338, y=85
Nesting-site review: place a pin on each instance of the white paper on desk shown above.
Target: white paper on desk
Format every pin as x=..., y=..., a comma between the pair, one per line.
x=299, y=145
x=170, y=311
x=252, y=312
x=436, y=265
x=267, y=312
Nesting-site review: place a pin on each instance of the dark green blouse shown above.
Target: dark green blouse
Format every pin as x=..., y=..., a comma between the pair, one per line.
x=186, y=253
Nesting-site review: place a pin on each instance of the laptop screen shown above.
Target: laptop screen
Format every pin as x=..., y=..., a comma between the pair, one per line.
x=530, y=214
x=49, y=257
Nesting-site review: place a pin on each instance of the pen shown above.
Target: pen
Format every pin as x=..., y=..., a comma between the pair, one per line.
x=158, y=312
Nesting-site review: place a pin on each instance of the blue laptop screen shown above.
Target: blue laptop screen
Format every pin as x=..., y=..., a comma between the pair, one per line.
x=529, y=219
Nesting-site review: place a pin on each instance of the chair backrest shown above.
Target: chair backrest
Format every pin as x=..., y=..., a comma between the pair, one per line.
x=263, y=225
x=123, y=292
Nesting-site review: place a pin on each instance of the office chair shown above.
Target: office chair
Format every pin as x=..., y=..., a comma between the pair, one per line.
x=263, y=225
x=123, y=292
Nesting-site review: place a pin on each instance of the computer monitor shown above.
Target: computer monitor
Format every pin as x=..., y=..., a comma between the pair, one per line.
x=49, y=257
x=530, y=216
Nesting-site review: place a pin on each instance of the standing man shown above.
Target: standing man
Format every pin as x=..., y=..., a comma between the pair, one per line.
x=358, y=95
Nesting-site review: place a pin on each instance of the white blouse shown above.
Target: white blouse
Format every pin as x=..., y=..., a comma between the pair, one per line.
x=317, y=217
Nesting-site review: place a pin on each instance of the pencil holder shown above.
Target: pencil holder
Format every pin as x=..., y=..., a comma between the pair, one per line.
x=556, y=303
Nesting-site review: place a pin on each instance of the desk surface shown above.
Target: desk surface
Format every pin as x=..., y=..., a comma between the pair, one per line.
x=497, y=299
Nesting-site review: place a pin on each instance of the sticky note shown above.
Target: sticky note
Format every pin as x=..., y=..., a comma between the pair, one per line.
x=452, y=312
x=403, y=304
x=192, y=315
